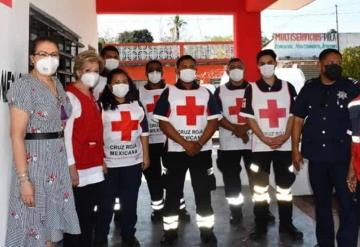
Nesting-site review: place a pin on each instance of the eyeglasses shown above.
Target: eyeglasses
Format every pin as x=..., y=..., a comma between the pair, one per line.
x=44, y=54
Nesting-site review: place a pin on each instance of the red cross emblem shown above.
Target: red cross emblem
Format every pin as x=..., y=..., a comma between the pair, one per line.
x=151, y=107
x=126, y=125
x=273, y=113
x=235, y=110
x=190, y=110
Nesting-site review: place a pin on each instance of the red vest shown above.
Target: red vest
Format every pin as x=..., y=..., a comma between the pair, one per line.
x=87, y=138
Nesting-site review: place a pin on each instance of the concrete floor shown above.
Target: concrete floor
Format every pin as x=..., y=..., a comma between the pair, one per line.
x=149, y=235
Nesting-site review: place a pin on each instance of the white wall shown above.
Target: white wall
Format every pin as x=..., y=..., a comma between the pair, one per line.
x=79, y=16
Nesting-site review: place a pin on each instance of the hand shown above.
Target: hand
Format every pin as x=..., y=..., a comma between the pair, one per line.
x=297, y=159
x=74, y=175
x=269, y=141
x=280, y=140
x=192, y=148
x=351, y=179
x=27, y=193
x=245, y=138
x=239, y=130
x=146, y=162
x=104, y=168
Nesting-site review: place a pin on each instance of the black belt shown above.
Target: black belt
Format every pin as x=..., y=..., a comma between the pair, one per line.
x=40, y=136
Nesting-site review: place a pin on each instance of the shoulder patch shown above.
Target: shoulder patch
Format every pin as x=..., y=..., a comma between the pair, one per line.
x=309, y=81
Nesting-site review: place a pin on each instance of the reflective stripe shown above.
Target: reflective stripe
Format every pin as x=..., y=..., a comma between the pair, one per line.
x=207, y=221
x=254, y=168
x=261, y=190
x=236, y=201
x=210, y=171
x=261, y=197
x=283, y=194
x=282, y=197
x=95, y=208
x=291, y=168
x=171, y=222
x=157, y=207
x=117, y=200
x=164, y=171
x=349, y=132
x=182, y=203
x=117, y=206
x=283, y=191
x=355, y=139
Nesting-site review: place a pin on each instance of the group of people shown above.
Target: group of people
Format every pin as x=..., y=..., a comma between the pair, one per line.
x=81, y=151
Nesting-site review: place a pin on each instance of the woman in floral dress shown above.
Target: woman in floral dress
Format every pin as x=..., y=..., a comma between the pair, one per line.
x=41, y=201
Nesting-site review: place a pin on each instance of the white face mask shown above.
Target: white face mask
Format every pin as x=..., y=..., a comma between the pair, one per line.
x=47, y=66
x=120, y=90
x=236, y=74
x=90, y=79
x=187, y=75
x=154, y=77
x=267, y=70
x=111, y=63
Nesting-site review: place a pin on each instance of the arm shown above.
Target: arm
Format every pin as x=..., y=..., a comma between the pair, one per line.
x=19, y=120
x=68, y=134
x=257, y=131
x=208, y=132
x=145, y=149
x=295, y=140
x=171, y=133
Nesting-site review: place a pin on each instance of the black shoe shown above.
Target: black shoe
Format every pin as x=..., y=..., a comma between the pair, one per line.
x=207, y=236
x=156, y=216
x=291, y=231
x=184, y=216
x=169, y=238
x=236, y=217
x=258, y=233
x=100, y=243
x=130, y=242
x=271, y=218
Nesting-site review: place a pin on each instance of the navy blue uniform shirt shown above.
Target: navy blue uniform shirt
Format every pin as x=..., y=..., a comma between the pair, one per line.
x=326, y=134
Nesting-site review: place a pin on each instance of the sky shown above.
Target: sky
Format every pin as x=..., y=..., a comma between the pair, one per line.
x=318, y=16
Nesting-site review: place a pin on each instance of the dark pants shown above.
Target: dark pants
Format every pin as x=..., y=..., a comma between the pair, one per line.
x=153, y=176
x=228, y=162
x=324, y=177
x=202, y=180
x=85, y=199
x=284, y=178
x=125, y=182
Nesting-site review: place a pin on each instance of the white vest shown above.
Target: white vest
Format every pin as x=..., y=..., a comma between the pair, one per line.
x=188, y=115
x=148, y=99
x=122, y=130
x=231, y=101
x=272, y=111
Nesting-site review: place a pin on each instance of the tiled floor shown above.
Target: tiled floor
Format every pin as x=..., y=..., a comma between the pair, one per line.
x=149, y=235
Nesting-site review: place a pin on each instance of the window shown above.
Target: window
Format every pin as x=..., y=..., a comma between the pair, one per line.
x=41, y=24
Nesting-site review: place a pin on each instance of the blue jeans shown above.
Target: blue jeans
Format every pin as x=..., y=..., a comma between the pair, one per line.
x=125, y=182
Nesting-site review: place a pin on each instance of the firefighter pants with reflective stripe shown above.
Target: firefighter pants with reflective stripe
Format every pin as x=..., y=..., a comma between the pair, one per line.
x=228, y=162
x=153, y=175
x=284, y=178
x=202, y=180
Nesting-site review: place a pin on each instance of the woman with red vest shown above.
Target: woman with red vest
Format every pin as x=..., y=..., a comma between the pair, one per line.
x=126, y=155
x=84, y=144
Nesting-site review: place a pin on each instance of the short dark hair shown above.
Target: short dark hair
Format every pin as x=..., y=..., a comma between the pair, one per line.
x=266, y=52
x=324, y=53
x=152, y=62
x=40, y=40
x=108, y=48
x=234, y=60
x=184, y=57
x=107, y=99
